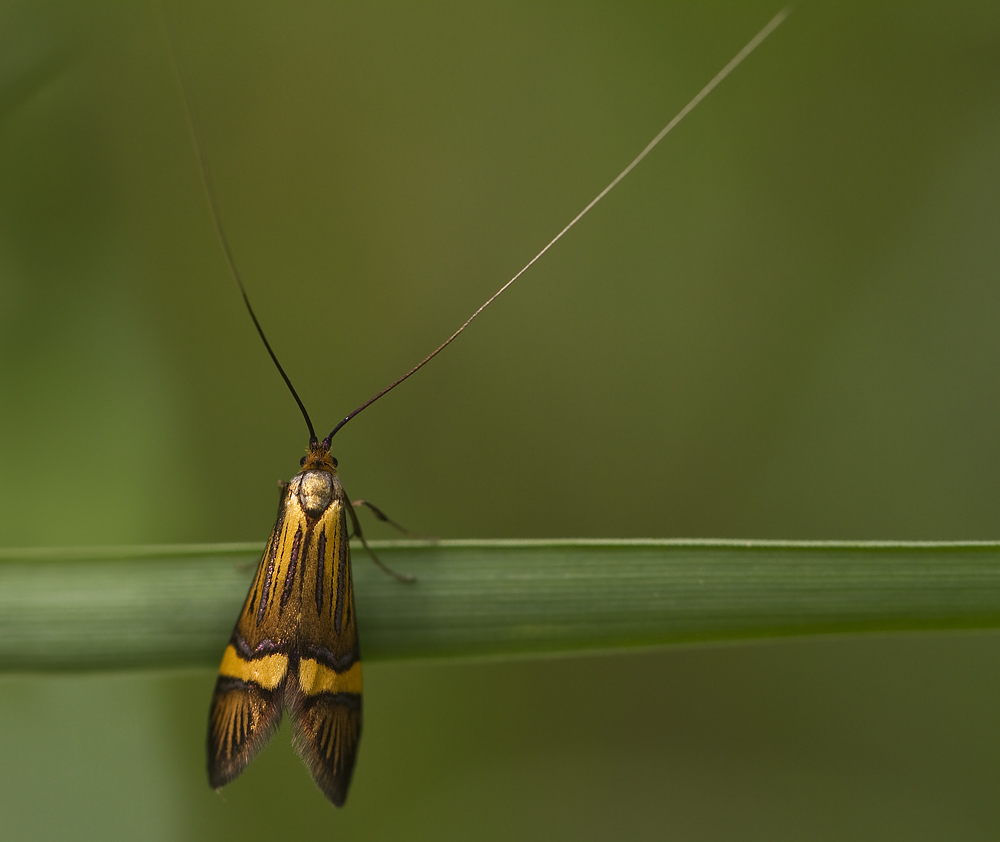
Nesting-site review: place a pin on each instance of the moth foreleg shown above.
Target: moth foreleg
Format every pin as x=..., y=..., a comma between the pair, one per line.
x=402, y=577
x=382, y=516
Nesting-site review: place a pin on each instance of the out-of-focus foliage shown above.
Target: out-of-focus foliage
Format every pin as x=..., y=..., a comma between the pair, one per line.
x=781, y=326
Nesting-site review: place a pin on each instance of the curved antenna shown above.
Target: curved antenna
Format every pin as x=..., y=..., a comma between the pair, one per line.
x=704, y=92
x=217, y=219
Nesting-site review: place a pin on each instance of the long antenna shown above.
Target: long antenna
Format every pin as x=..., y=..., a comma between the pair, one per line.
x=773, y=24
x=206, y=183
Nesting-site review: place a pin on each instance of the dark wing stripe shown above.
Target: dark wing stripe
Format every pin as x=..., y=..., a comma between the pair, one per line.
x=320, y=563
x=265, y=646
x=307, y=543
x=275, y=536
x=338, y=663
x=293, y=558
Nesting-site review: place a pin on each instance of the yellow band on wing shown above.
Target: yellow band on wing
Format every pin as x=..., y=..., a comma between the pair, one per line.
x=315, y=678
x=267, y=672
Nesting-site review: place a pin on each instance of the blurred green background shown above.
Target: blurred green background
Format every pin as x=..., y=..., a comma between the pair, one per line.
x=782, y=325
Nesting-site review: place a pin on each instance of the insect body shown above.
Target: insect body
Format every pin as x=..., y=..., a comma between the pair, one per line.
x=295, y=644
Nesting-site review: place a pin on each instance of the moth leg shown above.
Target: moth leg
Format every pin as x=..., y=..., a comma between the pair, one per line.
x=382, y=516
x=403, y=577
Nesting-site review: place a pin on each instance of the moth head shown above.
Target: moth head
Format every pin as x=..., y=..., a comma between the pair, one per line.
x=318, y=458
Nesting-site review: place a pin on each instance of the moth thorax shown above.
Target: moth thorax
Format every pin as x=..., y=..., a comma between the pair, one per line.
x=315, y=491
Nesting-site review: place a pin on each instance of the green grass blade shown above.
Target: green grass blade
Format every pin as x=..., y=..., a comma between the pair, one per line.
x=156, y=607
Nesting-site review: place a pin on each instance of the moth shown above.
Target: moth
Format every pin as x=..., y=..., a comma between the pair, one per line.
x=295, y=646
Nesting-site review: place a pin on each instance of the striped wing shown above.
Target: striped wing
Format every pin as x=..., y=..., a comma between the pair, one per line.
x=295, y=646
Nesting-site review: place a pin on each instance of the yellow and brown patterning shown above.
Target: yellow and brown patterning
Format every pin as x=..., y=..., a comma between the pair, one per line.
x=295, y=644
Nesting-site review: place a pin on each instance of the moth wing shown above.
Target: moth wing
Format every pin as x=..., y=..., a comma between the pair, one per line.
x=324, y=698
x=327, y=729
x=249, y=692
x=243, y=717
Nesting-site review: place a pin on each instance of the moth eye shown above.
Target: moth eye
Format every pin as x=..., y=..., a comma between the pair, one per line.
x=334, y=460
x=302, y=461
